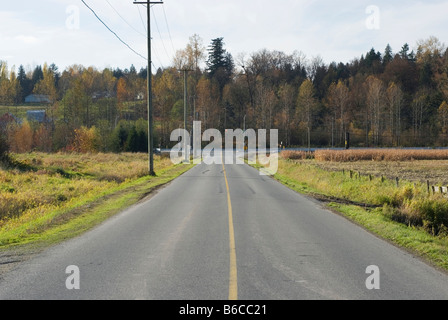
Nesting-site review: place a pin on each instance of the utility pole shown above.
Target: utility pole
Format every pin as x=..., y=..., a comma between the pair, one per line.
x=250, y=89
x=187, y=154
x=149, y=79
x=192, y=101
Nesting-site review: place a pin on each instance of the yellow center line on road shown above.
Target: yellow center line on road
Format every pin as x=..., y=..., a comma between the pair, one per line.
x=233, y=282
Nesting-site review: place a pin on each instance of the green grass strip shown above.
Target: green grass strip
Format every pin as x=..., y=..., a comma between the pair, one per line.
x=83, y=215
x=433, y=249
x=417, y=241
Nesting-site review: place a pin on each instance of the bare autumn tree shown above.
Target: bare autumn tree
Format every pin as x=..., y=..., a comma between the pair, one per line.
x=72, y=108
x=164, y=99
x=9, y=85
x=338, y=101
x=236, y=96
x=195, y=51
x=182, y=61
x=42, y=139
x=306, y=107
x=122, y=91
x=358, y=107
x=430, y=50
x=208, y=101
x=287, y=94
x=46, y=86
x=375, y=106
x=21, y=139
x=395, y=100
x=314, y=66
x=418, y=107
x=192, y=56
x=265, y=101
x=442, y=113
x=190, y=59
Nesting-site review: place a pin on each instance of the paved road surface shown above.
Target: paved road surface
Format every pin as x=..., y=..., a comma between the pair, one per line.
x=188, y=243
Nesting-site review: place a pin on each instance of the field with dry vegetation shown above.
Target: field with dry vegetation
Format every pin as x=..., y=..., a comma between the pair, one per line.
x=410, y=165
x=36, y=189
x=380, y=155
x=394, y=180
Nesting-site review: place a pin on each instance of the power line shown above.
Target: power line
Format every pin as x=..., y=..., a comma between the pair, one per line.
x=168, y=28
x=158, y=30
x=112, y=31
x=141, y=18
x=118, y=13
x=157, y=57
x=157, y=25
x=155, y=49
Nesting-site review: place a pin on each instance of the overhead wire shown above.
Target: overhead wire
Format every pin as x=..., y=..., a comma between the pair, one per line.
x=168, y=28
x=141, y=19
x=118, y=13
x=160, y=34
x=157, y=56
x=126, y=44
x=114, y=33
x=157, y=26
x=154, y=48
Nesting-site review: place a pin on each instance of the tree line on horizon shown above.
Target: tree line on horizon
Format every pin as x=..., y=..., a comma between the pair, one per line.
x=393, y=99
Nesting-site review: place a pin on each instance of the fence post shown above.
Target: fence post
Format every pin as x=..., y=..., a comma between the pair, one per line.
x=398, y=181
x=427, y=185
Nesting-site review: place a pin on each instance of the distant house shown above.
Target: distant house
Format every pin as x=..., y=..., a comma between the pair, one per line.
x=37, y=98
x=140, y=96
x=39, y=116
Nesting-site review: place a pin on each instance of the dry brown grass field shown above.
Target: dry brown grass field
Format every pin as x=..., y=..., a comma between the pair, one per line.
x=47, y=182
x=370, y=177
x=410, y=165
x=380, y=155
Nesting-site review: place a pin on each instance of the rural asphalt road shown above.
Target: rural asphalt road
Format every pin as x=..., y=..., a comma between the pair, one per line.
x=187, y=243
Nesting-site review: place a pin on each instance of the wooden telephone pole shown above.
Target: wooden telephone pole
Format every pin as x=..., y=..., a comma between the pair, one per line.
x=149, y=78
x=185, y=71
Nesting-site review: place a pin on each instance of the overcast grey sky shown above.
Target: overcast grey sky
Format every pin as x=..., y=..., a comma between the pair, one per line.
x=66, y=32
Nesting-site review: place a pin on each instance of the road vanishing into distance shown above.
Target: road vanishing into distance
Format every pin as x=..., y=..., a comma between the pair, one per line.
x=223, y=232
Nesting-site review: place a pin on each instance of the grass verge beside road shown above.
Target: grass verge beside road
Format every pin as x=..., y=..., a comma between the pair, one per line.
x=367, y=202
x=66, y=195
